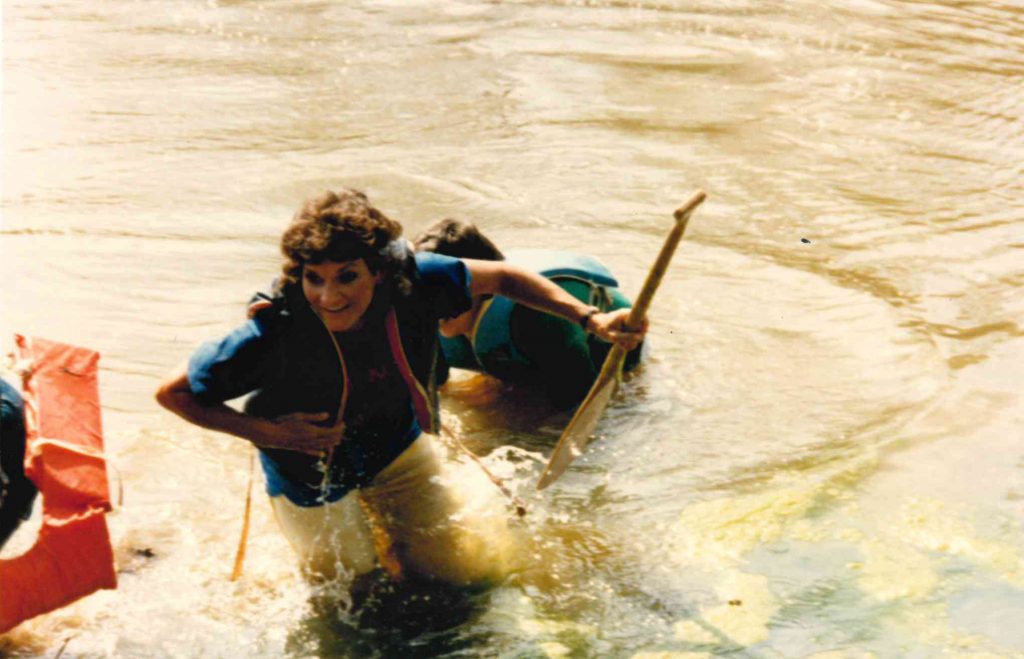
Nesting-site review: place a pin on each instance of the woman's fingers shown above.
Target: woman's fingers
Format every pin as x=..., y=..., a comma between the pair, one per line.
x=304, y=432
x=256, y=307
x=611, y=326
x=628, y=340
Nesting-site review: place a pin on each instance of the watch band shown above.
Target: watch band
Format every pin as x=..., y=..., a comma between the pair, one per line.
x=585, y=319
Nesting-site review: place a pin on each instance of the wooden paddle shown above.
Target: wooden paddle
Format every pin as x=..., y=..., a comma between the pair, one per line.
x=576, y=435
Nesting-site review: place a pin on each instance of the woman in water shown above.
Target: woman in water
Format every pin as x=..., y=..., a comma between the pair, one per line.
x=339, y=364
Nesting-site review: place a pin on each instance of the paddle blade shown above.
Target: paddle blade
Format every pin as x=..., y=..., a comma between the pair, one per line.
x=577, y=434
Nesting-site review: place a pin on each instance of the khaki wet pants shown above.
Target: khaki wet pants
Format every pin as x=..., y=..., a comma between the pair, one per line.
x=409, y=520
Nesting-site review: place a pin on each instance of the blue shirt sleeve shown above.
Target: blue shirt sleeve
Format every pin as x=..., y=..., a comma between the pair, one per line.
x=231, y=367
x=448, y=279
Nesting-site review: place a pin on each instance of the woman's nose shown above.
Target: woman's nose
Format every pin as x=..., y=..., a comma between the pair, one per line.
x=330, y=296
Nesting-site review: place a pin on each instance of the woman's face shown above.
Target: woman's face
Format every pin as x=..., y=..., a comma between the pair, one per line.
x=339, y=292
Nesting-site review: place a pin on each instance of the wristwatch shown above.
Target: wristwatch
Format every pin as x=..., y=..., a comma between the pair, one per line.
x=585, y=319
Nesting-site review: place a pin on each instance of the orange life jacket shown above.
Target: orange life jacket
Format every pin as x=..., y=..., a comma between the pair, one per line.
x=72, y=556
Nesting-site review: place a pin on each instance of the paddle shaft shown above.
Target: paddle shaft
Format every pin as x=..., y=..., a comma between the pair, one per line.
x=617, y=355
x=574, y=437
x=654, y=277
x=660, y=267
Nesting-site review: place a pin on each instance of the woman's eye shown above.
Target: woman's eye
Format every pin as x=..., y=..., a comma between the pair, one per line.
x=313, y=278
x=347, y=277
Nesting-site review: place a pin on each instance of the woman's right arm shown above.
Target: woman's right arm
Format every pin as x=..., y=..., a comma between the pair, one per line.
x=294, y=432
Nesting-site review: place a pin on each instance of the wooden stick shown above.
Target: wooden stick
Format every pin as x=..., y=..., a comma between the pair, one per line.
x=244, y=539
x=576, y=435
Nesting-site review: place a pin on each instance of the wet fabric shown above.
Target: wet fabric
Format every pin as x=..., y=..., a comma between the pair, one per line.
x=332, y=540
x=72, y=556
x=563, y=359
x=409, y=518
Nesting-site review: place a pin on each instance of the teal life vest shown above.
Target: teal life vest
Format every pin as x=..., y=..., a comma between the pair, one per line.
x=491, y=348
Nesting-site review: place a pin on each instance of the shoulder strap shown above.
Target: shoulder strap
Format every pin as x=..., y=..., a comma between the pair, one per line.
x=421, y=398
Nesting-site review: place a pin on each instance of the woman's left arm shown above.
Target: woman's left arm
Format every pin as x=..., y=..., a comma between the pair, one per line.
x=533, y=290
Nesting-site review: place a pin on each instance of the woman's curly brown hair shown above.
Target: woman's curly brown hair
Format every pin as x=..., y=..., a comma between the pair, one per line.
x=339, y=226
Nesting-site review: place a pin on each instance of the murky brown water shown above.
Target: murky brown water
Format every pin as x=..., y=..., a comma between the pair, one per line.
x=828, y=434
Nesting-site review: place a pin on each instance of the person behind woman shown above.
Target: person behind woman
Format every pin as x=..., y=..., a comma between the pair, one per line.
x=519, y=344
x=339, y=361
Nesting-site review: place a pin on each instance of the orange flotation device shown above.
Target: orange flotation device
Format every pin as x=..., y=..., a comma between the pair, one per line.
x=72, y=556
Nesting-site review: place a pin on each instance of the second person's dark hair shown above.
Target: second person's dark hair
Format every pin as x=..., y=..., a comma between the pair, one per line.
x=459, y=239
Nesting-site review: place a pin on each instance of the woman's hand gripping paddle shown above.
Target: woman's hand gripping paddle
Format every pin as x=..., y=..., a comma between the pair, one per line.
x=576, y=435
